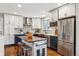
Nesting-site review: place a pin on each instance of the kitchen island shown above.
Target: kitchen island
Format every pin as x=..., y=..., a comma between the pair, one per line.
x=38, y=45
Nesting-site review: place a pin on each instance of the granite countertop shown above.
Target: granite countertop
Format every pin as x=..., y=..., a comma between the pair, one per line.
x=35, y=38
x=48, y=34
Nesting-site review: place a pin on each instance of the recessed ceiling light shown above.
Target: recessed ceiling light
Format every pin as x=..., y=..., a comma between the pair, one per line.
x=59, y=4
x=15, y=12
x=19, y=5
x=43, y=15
x=43, y=12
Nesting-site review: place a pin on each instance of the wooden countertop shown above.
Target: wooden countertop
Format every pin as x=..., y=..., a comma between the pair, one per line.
x=35, y=38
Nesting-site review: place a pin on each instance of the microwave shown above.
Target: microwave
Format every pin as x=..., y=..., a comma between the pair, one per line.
x=52, y=24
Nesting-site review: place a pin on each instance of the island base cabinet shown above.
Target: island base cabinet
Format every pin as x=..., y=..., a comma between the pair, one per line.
x=40, y=48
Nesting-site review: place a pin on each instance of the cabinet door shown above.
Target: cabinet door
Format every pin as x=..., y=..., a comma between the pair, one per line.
x=36, y=23
x=11, y=17
x=6, y=19
x=6, y=40
x=62, y=12
x=67, y=10
x=16, y=21
x=48, y=41
x=1, y=24
x=54, y=15
x=2, y=45
x=11, y=39
x=11, y=27
x=20, y=22
x=71, y=10
x=6, y=29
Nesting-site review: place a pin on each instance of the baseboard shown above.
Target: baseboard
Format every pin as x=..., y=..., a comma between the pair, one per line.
x=52, y=48
x=10, y=45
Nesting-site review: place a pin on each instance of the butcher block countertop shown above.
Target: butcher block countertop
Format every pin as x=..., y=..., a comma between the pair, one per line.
x=34, y=39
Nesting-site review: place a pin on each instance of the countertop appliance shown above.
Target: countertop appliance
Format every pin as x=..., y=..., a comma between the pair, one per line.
x=67, y=36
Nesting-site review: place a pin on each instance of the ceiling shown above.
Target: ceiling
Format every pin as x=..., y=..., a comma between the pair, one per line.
x=28, y=9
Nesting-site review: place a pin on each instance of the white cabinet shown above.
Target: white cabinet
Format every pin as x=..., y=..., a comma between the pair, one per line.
x=11, y=28
x=11, y=19
x=18, y=22
x=6, y=24
x=6, y=40
x=36, y=23
x=71, y=10
x=10, y=23
x=2, y=45
x=67, y=10
x=8, y=29
x=6, y=19
x=11, y=40
x=54, y=15
x=1, y=24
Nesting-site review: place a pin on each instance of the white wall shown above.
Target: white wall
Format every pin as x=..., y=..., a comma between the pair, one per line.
x=77, y=29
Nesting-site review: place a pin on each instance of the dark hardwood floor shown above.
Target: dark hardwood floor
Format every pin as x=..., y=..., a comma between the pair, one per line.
x=12, y=51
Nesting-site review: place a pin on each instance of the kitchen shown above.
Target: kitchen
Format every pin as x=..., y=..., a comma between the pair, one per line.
x=52, y=34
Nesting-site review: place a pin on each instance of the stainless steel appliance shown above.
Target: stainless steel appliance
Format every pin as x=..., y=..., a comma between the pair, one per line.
x=67, y=38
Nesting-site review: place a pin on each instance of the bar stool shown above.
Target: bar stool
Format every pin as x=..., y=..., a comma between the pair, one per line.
x=27, y=51
x=18, y=42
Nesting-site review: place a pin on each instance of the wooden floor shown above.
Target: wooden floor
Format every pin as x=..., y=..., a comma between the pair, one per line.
x=51, y=52
x=12, y=51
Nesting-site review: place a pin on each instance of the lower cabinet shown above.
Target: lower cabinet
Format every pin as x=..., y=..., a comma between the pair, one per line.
x=53, y=42
x=9, y=40
x=2, y=45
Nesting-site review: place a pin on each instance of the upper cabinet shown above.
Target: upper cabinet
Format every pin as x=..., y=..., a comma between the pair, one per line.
x=67, y=11
x=54, y=15
x=36, y=23
x=18, y=22
x=1, y=24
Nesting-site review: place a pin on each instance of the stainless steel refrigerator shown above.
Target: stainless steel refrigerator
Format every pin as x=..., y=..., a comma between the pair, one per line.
x=67, y=36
